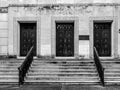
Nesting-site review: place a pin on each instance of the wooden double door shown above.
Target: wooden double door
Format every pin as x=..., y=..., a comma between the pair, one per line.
x=27, y=38
x=102, y=38
x=65, y=39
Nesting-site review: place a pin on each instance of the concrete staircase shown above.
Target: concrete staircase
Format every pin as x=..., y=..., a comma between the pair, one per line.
x=60, y=71
x=112, y=71
x=63, y=71
x=9, y=71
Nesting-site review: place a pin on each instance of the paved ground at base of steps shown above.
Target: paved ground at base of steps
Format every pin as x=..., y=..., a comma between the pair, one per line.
x=58, y=87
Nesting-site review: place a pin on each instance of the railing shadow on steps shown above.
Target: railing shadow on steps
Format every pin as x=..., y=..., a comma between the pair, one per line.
x=99, y=66
x=24, y=67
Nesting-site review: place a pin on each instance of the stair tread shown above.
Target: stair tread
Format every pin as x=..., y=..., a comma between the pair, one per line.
x=12, y=66
x=118, y=69
x=8, y=70
x=112, y=79
x=69, y=69
x=86, y=73
x=1, y=74
x=86, y=81
x=112, y=66
x=9, y=80
x=61, y=65
x=9, y=77
x=112, y=74
x=62, y=60
x=61, y=70
x=60, y=75
x=60, y=78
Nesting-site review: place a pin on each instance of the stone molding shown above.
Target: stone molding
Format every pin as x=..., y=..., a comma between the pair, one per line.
x=58, y=4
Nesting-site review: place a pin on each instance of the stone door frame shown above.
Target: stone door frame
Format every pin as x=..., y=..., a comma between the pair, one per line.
x=114, y=35
x=16, y=33
x=74, y=19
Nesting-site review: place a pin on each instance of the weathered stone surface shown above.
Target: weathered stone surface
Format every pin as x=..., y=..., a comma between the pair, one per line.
x=3, y=42
x=84, y=49
x=3, y=50
x=3, y=33
x=3, y=17
x=3, y=25
x=45, y=9
x=5, y=3
x=83, y=12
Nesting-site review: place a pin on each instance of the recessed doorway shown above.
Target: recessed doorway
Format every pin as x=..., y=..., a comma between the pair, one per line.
x=64, y=39
x=102, y=38
x=27, y=38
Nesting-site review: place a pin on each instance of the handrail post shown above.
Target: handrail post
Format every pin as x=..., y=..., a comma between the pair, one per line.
x=103, y=83
x=20, y=77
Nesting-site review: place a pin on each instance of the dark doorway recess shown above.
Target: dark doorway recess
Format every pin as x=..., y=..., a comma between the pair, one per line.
x=65, y=39
x=102, y=38
x=27, y=38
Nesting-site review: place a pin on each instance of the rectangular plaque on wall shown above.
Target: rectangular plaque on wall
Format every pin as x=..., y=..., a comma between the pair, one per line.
x=83, y=37
x=3, y=10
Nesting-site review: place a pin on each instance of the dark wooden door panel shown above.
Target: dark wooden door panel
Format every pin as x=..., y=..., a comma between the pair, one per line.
x=102, y=38
x=64, y=39
x=27, y=38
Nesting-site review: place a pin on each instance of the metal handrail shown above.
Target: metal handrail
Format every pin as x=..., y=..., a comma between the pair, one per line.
x=99, y=66
x=24, y=67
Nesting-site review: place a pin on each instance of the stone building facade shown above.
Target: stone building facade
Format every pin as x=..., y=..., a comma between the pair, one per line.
x=60, y=29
